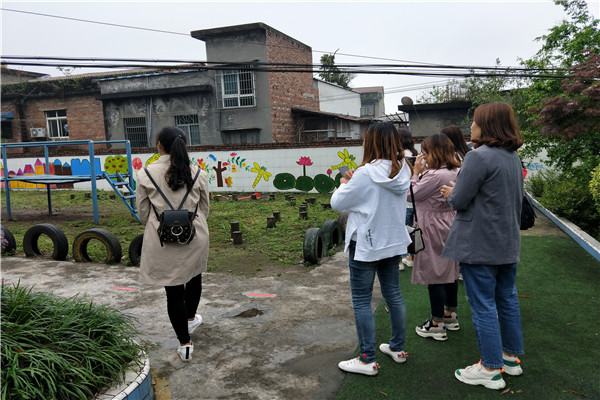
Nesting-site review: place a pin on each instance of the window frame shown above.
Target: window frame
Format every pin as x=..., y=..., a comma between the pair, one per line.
x=56, y=124
x=236, y=88
x=186, y=127
x=136, y=123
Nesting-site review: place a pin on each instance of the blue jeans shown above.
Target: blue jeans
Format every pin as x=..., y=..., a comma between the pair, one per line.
x=362, y=276
x=493, y=299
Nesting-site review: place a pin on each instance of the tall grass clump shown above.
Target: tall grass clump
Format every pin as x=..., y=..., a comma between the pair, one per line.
x=56, y=348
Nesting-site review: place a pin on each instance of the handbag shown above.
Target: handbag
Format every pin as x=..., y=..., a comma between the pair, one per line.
x=416, y=235
x=175, y=225
x=528, y=215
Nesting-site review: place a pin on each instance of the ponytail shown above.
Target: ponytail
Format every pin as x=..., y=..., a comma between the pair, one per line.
x=179, y=173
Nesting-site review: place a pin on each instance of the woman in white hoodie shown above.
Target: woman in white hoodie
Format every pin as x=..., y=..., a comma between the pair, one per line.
x=375, y=196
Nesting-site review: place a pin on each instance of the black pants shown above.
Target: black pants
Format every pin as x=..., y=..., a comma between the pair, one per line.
x=440, y=295
x=182, y=303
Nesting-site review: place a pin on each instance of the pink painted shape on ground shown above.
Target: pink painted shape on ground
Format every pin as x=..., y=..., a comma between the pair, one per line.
x=122, y=288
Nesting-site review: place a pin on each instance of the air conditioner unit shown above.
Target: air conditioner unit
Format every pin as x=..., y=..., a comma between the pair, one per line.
x=38, y=132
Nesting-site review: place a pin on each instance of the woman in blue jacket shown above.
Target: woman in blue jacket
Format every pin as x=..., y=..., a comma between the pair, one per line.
x=486, y=241
x=375, y=196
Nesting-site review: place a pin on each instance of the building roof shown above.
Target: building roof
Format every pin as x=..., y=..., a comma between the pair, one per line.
x=307, y=112
x=456, y=105
x=215, y=33
x=369, y=89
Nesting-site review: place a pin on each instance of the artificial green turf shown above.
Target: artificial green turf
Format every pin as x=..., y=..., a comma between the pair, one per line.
x=560, y=330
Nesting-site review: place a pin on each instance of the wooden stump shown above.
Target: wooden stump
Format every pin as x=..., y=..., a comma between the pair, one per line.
x=302, y=208
x=235, y=226
x=270, y=222
x=277, y=215
x=303, y=215
x=253, y=197
x=271, y=197
x=326, y=206
x=72, y=196
x=237, y=237
x=88, y=195
x=234, y=197
x=311, y=200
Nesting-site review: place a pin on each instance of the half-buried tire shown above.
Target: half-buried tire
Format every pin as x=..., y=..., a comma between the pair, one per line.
x=59, y=241
x=9, y=244
x=135, y=250
x=333, y=233
x=315, y=245
x=114, y=252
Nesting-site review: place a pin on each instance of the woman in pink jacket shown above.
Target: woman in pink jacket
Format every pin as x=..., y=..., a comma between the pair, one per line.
x=437, y=165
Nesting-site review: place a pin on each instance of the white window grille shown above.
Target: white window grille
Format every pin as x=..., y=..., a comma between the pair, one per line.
x=189, y=124
x=136, y=131
x=56, y=123
x=236, y=88
x=368, y=110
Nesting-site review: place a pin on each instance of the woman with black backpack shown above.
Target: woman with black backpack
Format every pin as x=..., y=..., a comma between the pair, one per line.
x=177, y=265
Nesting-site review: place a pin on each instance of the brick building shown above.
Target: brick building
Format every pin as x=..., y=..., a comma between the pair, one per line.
x=244, y=94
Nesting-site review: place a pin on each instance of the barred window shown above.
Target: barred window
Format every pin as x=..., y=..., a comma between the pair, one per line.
x=136, y=131
x=56, y=122
x=236, y=88
x=189, y=124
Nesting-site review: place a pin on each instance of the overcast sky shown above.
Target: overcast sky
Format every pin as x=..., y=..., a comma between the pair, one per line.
x=442, y=32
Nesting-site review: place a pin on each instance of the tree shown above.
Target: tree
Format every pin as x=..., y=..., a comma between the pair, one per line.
x=551, y=105
x=331, y=73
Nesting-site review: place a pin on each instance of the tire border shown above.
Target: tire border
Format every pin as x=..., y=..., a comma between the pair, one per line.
x=114, y=251
x=59, y=239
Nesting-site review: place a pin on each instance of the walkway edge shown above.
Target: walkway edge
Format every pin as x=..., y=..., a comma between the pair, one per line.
x=588, y=243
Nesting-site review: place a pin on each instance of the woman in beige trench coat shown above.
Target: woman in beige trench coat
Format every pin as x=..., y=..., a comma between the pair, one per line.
x=177, y=267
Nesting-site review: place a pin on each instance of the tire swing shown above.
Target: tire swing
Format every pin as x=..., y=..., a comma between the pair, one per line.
x=135, y=250
x=315, y=245
x=109, y=240
x=59, y=240
x=9, y=244
x=333, y=233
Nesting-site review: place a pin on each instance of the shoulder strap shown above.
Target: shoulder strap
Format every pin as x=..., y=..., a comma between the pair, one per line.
x=188, y=191
x=157, y=188
x=412, y=198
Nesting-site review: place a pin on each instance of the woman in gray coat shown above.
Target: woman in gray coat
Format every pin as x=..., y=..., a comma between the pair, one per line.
x=486, y=241
x=177, y=267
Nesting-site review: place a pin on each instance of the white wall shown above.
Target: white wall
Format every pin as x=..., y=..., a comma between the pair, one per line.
x=242, y=171
x=335, y=99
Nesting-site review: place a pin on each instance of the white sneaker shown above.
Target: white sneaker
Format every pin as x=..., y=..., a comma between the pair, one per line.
x=398, y=356
x=185, y=352
x=512, y=365
x=401, y=267
x=408, y=263
x=358, y=367
x=192, y=325
x=476, y=374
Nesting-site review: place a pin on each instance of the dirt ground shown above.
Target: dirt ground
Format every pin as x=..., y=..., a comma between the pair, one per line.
x=271, y=337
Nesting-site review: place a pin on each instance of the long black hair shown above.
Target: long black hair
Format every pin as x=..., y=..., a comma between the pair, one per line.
x=458, y=140
x=179, y=173
x=407, y=141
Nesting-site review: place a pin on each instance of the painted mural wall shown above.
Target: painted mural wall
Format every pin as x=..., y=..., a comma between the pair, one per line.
x=307, y=169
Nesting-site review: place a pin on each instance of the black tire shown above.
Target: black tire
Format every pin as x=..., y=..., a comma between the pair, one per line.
x=30, y=241
x=114, y=252
x=315, y=245
x=333, y=233
x=135, y=250
x=343, y=220
x=10, y=245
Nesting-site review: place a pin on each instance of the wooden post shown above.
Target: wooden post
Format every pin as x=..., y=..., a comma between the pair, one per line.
x=234, y=197
x=271, y=197
x=277, y=215
x=326, y=205
x=253, y=197
x=270, y=222
x=237, y=237
x=311, y=200
x=303, y=215
x=88, y=195
x=113, y=196
x=72, y=196
x=302, y=208
x=235, y=226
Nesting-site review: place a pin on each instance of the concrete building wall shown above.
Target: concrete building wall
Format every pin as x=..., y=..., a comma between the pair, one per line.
x=426, y=123
x=336, y=99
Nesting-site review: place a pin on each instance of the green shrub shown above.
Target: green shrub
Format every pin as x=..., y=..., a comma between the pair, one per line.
x=536, y=182
x=569, y=197
x=595, y=186
x=55, y=348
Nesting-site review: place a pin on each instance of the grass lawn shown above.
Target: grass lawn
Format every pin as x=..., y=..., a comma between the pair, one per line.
x=272, y=250
x=560, y=304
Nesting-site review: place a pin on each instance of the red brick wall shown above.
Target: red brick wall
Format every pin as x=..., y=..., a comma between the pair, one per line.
x=84, y=117
x=287, y=89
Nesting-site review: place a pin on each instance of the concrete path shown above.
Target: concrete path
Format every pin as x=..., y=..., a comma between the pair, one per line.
x=282, y=346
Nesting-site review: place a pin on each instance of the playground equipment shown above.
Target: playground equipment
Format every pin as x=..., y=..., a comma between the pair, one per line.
x=117, y=180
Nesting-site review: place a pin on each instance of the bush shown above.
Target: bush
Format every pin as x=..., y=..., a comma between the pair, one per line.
x=595, y=186
x=55, y=348
x=536, y=183
x=569, y=197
